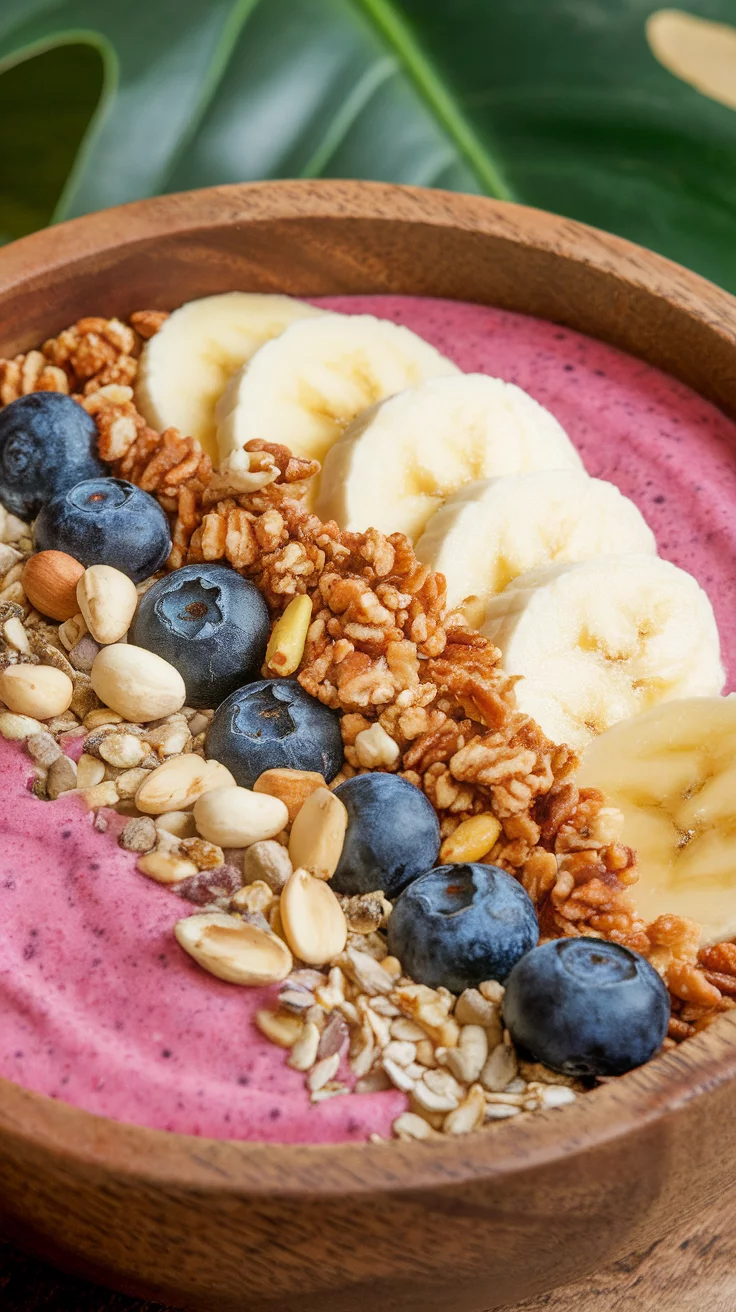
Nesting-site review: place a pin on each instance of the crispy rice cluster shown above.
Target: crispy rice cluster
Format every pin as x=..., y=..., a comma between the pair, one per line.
x=382, y=649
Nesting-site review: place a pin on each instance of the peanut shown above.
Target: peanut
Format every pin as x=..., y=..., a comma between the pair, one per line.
x=137, y=683
x=291, y=786
x=313, y=920
x=40, y=691
x=179, y=782
x=318, y=834
x=237, y=817
x=107, y=600
x=234, y=950
x=166, y=867
x=17, y=727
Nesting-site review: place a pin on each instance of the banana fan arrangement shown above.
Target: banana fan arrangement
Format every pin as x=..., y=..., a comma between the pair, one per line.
x=559, y=569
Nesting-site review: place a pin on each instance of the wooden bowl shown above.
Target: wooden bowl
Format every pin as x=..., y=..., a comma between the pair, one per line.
x=466, y=1223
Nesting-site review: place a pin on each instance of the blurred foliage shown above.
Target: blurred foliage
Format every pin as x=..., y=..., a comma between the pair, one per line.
x=556, y=103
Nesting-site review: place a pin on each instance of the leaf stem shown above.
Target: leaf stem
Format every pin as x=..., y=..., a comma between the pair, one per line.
x=395, y=30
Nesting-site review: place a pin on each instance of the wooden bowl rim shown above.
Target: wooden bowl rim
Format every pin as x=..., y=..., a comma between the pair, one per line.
x=650, y=1094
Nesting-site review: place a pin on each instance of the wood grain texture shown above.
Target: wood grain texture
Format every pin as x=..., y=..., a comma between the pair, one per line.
x=450, y=1227
x=692, y=1269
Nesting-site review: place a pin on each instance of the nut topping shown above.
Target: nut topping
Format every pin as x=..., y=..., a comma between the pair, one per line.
x=314, y=924
x=234, y=950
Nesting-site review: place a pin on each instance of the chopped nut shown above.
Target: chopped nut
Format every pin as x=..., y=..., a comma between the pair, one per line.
x=292, y=787
x=16, y=636
x=206, y=856
x=318, y=833
x=472, y=839
x=71, y=631
x=232, y=949
x=169, y=739
x=139, y=835
x=214, y=887
x=105, y=794
x=90, y=771
x=364, y=912
x=179, y=823
x=61, y=778
x=82, y=655
x=430, y=1009
x=123, y=750
x=375, y=749
x=280, y=1027
x=492, y=991
x=130, y=781
x=165, y=867
x=268, y=862
x=102, y=716
x=43, y=748
x=254, y=897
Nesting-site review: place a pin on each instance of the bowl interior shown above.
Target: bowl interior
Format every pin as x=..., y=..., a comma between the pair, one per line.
x=331, y=238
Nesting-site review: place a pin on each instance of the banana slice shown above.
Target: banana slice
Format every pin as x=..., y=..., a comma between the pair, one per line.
x=604, y=639
x=399, y=461
x=184, y=369
x=672, y=772
x=491, y=531
x=306, y=387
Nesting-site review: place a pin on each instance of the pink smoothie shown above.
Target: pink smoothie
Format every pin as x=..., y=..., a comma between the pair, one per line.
x=98, y=1004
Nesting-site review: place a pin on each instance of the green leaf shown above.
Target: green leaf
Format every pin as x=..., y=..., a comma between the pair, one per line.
x=556, y=103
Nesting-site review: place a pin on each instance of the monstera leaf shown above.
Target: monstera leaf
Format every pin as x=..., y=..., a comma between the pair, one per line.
x=591, y=108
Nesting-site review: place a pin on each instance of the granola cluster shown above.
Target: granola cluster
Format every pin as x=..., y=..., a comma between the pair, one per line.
x=419, y=691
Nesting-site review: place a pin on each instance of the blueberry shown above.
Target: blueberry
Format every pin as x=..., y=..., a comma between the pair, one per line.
x=393, y=835
x=47, y=443
x=586, y=1007
x=209, y=623
x=274, y=724
x=459, y=925
x=106, y=521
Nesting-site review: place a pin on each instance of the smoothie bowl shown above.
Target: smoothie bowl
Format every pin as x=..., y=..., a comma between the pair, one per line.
x=367, y=625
